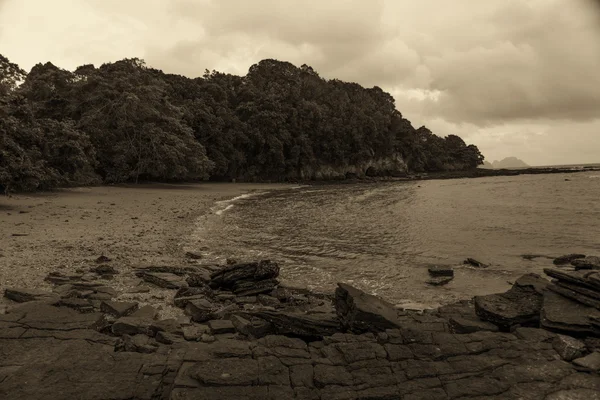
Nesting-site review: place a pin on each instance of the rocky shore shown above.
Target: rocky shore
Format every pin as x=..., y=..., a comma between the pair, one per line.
x=240, y=334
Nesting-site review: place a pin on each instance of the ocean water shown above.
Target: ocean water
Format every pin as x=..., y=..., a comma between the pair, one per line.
x=381, y=237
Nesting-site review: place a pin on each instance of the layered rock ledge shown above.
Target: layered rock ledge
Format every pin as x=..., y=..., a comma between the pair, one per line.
x=245, y=336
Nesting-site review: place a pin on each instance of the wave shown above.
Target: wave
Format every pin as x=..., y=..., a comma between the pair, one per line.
x=223, y=205
x=219, y=212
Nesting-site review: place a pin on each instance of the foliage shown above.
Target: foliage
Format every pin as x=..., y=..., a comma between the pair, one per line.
x=125, y=121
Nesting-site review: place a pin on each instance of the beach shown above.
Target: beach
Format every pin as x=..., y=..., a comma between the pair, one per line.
x=66, y=230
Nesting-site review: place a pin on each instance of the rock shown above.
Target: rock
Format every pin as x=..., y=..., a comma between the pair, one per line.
x=267, y=300
x=581, y=278
x=186, y=294
x=136, y=344
x=22, y=295
x=590, y=262
x=182, y=302
x=302, y=325
x=147, y=312
x=58, y=278
x=282, y=294
x=361, y=312
x=255, y=271
x=167, y=338
x=164, y=279
x=131, y=326
x=591, y=362
x=567, y=316
x=199, y=278
x=104, y=270
x=219, y=326
x=193, y=255
x=194, y=332
x=226, y=312
x=117, y=308
x=568, y=348
x=474, y=263
x=439, y=280
x=253, y=327
x=578, y=294
x=81, y=305
x=206, y=338
x=170, y=325
x=246, y=299
x=566, y=259
x=200, y=310
x=520, y=305
x=103, y=259
x=441, y=270
x=250, y=288
x=464, y=325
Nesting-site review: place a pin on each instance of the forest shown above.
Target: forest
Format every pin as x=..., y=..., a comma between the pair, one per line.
x=126, y=122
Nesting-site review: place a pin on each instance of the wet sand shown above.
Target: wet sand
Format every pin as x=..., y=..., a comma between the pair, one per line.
x=67, y=230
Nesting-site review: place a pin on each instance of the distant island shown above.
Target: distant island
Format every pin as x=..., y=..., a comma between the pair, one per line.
x=508, y=162
x=127, y=122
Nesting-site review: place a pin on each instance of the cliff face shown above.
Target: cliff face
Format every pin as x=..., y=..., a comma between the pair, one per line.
x=391, y=166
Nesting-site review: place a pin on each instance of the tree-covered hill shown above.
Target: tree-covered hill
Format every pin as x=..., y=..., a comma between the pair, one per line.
x=124, y=122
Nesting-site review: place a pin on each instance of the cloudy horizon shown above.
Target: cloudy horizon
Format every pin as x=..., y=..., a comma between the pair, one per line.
x=515, y=78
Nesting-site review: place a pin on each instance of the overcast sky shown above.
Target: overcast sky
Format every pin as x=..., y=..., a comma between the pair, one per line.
x=515, y=77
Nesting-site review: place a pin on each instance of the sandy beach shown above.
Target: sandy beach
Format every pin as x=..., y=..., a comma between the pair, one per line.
x=68, y=229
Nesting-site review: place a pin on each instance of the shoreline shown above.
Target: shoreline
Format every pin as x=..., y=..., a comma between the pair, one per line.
x=66, y=230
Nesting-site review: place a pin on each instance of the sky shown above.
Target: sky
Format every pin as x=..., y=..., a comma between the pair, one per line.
x=514, y=77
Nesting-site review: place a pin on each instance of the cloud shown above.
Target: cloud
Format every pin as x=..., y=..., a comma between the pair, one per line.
x=512, y=76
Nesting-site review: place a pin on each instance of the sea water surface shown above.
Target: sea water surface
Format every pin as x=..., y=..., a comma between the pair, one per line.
x=381, y=237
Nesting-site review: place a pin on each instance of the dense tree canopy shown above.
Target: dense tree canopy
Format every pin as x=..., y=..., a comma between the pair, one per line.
x=124, y=121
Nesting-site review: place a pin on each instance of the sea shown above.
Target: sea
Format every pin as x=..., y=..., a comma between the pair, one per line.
x=382, y=237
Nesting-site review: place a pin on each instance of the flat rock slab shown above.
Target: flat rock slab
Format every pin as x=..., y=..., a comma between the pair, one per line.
x=417, y=362
x=564, y=315
x=515, y=307
x=465, y=325
x=219, y=326
x=118, y=308
x=22, y=295
x=361, y=312
x=164, y=279
x=591, y=362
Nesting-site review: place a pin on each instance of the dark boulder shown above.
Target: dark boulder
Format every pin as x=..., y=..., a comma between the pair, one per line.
x=251, y=288
x=361, y=312
x=254, y=271
x=520, y=305
x=590, y=262
x=566, y=259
